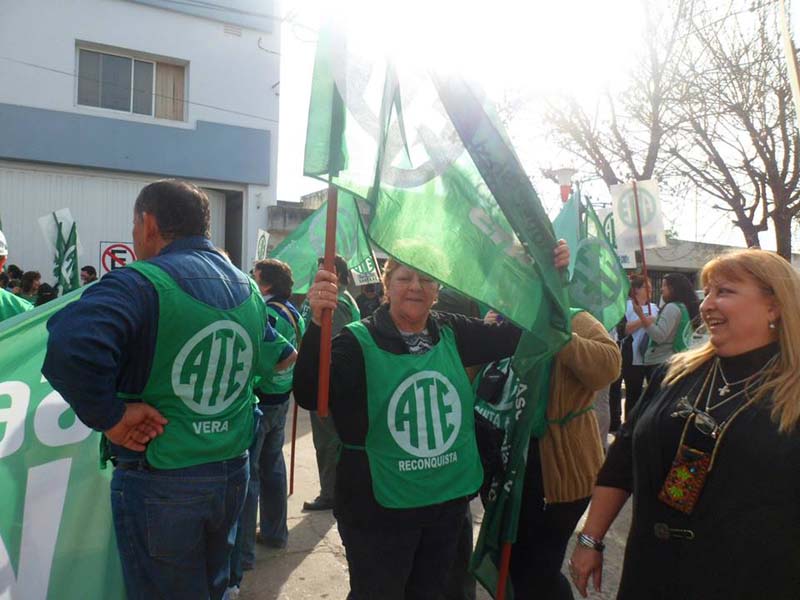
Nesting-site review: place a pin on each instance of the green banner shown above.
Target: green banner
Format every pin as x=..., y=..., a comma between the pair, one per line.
x=521, y=405
x=301, y=249
x=56, y=534
x=598, y=282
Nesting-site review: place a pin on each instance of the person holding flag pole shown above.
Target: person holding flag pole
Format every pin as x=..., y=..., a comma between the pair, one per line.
x=402, y=405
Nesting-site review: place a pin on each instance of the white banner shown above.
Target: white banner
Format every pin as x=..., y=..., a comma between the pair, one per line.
x=625, y=220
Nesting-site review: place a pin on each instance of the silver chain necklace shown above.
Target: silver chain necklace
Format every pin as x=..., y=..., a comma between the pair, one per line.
x=749, y=381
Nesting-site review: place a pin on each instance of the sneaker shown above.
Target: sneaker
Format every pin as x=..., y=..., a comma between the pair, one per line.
x=232, y=593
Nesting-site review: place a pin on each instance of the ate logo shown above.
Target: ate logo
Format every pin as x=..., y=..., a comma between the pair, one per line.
x=425, y=414
x=212, y=367
x=626, y=207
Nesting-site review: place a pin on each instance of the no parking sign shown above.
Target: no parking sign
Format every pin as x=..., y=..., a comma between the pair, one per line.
x=115, y=255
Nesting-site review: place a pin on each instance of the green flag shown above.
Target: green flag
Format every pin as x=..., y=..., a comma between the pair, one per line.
x=66, y=271
x=56, y=534
x=450, y=198
x=598, y=283
x=567, y=226
x=448, y=194
x=307, y=243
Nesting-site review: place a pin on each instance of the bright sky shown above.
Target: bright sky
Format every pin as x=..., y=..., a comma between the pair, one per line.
x=531, y=49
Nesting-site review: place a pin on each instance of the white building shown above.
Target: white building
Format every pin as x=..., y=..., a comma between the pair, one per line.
x=100, y=97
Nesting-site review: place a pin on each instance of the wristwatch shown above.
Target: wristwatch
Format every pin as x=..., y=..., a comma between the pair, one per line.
x=588, y=541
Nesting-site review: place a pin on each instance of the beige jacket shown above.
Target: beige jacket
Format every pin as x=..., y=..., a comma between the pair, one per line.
x=571, y=453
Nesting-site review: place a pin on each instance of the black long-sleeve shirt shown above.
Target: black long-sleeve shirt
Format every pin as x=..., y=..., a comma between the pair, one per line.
x=477, y=343
x=746, y=522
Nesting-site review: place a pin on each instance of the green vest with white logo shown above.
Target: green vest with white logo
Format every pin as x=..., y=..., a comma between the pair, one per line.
x=683, y=335
x=281, y=382
x=201, y=379
x=421, y=438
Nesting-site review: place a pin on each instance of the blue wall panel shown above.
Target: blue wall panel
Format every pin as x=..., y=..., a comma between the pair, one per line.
x=211, y=151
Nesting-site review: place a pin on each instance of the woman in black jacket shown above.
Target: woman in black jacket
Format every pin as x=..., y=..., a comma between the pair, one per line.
x=403, y=408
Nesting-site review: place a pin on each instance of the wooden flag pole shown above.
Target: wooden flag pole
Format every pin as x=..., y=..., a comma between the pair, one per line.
x=641, y=241
x=505, y=566
x=327, y=314
x=291, y=458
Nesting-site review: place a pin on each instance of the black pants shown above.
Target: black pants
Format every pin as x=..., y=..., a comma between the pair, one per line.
x=542, y=537
x=409, y=563
x=460, y=582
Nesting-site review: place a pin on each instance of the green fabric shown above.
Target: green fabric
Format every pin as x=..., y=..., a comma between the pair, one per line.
x=683, y=335
x=66, y=269
x=448, y=193
x=598, y=282
x=567, y=226
x=11, y=305
x=421, y=437
x=281, y=382
x=522, y=414
x=303, y=247
x=201, y=379
x=349, y=301
x=449, y=198
x=55, y=513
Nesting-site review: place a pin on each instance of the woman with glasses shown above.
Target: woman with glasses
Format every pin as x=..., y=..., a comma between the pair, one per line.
x=712, y=453
x=403, y=407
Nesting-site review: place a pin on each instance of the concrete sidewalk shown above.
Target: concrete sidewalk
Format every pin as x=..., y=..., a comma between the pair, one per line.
x=314, y=565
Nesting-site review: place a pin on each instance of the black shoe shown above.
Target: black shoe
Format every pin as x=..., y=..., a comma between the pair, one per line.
x=319, y=503
x=269, y=543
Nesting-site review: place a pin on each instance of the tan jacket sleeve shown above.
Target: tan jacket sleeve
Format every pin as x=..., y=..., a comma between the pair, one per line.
x=592, y=356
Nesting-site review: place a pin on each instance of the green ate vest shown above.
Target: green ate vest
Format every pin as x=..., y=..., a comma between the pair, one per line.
x=421, y=438
x=347, y=300
x=281, y=382
x=201, y=378
x=683, y=335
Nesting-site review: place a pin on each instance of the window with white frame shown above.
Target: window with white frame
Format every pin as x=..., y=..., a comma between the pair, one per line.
x=131, y=84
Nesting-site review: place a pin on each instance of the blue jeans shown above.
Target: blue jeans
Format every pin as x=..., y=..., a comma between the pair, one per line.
x=175, y=529
x=267, y=487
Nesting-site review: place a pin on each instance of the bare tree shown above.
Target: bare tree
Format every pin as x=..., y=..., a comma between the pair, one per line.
x=737, y=140
x=624, y=137
x=711, y=104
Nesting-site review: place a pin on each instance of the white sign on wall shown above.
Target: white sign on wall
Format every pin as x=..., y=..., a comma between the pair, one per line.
x=115, y=255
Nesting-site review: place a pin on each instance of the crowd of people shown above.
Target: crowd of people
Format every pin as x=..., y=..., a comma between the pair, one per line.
x=199, y=361
x=21, y=291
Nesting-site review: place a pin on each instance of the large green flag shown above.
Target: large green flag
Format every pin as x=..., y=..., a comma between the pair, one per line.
x=306, y=244
x=56, y=534
x=448, y=194
x=598, y=282
x=450, y=198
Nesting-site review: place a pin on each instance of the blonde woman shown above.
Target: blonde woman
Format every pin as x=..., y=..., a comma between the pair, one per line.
x=711, y=454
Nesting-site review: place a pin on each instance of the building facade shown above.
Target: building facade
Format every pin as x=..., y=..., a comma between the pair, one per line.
x=100, y=97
